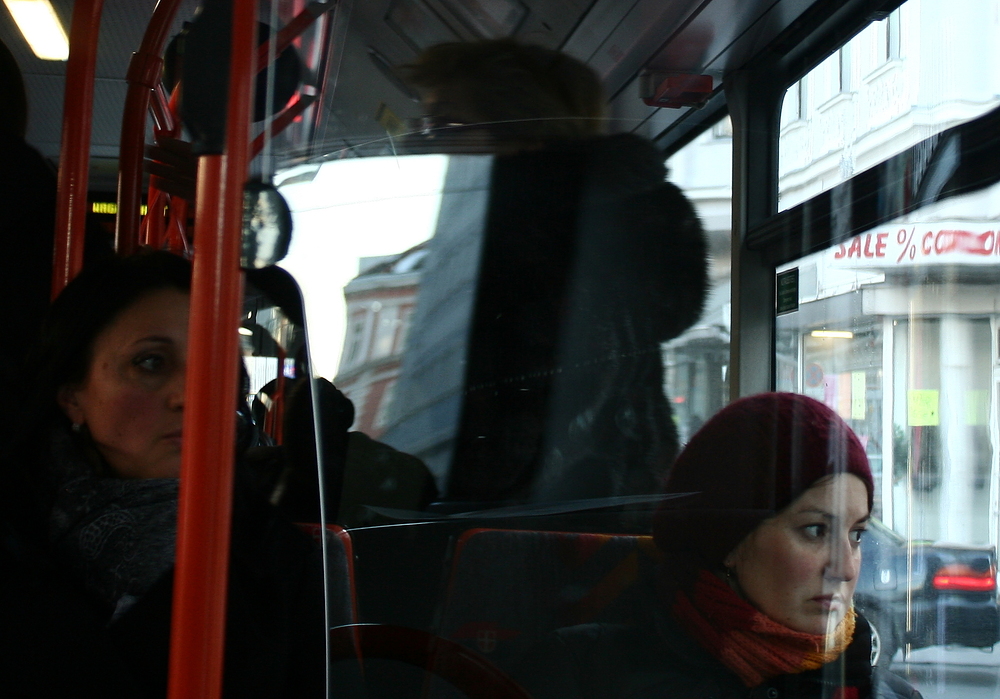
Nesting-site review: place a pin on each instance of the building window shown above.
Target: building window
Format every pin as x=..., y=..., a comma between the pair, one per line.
x=844, y=69
x=405, y=322
x=793, y=107
x=723, y=128
x=356, y=340
x=889, y=38
x=385, y=331
x=382, y=416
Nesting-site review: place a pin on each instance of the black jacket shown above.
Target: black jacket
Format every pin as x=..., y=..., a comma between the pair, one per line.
x=275, y=635
x=590, y=261
x=601, y=661
x=275, y=627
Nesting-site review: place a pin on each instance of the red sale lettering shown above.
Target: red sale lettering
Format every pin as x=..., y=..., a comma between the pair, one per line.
x=944, y=242
x=868, y=242
x=839, y=255
x=927, y=243
x=855, y=249
x=880, y=244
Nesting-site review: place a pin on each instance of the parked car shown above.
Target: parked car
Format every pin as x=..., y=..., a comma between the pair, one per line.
x=922, y=594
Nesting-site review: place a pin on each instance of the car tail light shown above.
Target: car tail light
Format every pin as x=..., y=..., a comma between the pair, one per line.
x=964, y=578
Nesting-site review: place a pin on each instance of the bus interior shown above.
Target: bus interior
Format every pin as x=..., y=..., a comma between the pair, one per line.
x=443, y=321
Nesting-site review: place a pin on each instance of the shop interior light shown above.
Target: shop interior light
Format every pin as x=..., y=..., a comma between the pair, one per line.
x=40, y=27
x=246, y=331
x=842, y=334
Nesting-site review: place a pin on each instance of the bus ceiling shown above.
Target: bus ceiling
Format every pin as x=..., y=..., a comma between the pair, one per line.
x=631, y=45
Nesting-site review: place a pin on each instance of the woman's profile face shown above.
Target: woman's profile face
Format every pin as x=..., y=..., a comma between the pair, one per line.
x=800, y=567
x=132, y=398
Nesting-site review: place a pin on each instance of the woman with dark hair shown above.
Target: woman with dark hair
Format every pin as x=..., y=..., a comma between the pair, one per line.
x=762, y=556
x=100, y=453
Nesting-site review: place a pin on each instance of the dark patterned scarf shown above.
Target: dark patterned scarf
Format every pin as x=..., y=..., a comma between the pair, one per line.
x=117, y=534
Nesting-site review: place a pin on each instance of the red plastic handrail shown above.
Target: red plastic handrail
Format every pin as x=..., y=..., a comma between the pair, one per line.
x=143, y=77
x=471, y=673
x=203, y=519
x=74, y=158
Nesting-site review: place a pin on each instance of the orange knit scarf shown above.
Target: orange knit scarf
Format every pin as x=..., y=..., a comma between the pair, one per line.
x=753, y=645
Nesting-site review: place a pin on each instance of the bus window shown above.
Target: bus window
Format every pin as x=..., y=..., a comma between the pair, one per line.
x=893, y=324
x=509, y=284
x=903, y=78
x=697, y=362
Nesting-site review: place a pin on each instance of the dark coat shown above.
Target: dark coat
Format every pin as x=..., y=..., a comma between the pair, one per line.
x=660, y=661
x=53, y=643
x=275, y=638
x=275, y=628
x=590, y=261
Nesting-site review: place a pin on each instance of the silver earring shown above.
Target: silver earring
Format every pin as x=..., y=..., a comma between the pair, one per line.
x=77, y=426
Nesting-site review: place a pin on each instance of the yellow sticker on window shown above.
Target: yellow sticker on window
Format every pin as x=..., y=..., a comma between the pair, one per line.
x=858, y=395
x=922, y=407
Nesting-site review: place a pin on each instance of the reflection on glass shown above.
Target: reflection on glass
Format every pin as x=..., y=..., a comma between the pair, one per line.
x=505, y=316
x=696, y=363
x=897, y=331
x=903, y=78
x=348, y=217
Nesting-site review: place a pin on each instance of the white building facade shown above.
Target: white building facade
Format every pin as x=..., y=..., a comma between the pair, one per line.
x=897, y=328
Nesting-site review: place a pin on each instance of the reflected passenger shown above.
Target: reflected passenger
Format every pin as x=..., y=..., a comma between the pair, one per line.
x=761, y=564
x=590, y=261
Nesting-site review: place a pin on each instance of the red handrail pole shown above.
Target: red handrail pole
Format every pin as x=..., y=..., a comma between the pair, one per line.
x=203, y=519
x=282, y=121
x=143, y=76
x=74, y=160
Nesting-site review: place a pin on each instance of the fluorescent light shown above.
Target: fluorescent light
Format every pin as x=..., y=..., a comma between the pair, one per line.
x=246, y=331
x=842, y=334
x=40, y=27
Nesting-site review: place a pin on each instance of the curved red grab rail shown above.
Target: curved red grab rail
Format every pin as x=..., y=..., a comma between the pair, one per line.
x=471, y=673
x=74, y=159
x=203, y=518
x=143, y=77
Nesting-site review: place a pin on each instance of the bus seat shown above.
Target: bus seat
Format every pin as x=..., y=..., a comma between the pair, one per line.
x=341, y=591
x=508, y=589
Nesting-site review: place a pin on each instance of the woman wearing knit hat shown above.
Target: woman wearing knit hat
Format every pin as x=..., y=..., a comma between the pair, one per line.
x=762, y=558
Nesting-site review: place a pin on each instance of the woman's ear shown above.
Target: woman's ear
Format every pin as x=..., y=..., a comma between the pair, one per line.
x=732, y=558
x=67, y=397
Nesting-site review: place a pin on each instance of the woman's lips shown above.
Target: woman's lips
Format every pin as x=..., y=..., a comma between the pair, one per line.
x=829, y=602
x=174, y=437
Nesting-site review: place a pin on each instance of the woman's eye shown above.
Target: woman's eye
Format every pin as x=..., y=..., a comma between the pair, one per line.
x=815, y=531
x=856, y=535
x=149, y=362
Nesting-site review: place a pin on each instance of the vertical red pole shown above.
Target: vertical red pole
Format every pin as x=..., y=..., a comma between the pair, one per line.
x=74, y=159
x=199, y=606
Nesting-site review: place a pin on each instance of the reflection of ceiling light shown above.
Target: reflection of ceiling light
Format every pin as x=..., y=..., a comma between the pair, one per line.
x=246, y=331
x=843, y=334
x=40, y=27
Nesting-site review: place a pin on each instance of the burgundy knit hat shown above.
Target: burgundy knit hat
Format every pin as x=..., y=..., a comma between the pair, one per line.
x=750, y=461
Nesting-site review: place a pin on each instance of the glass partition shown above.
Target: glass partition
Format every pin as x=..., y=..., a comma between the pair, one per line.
x=897, y=330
